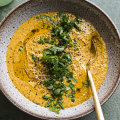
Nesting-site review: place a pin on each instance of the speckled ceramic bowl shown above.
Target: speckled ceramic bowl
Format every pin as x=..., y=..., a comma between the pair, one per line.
x=80, y=7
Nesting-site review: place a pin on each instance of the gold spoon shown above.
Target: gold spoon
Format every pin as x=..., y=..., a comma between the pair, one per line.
x=93, y=56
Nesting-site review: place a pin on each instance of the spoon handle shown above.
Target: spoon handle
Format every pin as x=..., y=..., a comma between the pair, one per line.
x=98, y=109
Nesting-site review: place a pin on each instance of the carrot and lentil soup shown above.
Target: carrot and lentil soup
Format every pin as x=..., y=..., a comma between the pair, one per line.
x=47, y=57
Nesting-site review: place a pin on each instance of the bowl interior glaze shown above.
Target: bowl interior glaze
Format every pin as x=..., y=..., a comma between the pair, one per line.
x=79, y=7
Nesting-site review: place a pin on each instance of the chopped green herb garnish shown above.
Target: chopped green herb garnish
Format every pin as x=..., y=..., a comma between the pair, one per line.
x=57, y=91
x=48, y=98
x=86, y=84
x=38, y=18
x=75, y=47
x=69, y=95
x=34, y=41
x=59, y=102
x=54, y=49
x=76, y=24
x=44, y=24
x=48, y=18
x=72, y=98
x=36, y=103
x=57, y=60
x=74, y=44
x=60, y=14
x=88, y=81
x=46, y=40
x=55, y=109
x=75, y=41
x=42, y=41
x=48, y=104
x=35, y=59
x=75, y=79
x=20, y=49
x=48, y=26
x=68, y=80
x=67, y=88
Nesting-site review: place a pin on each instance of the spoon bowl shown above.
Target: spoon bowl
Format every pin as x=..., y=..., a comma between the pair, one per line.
x=93, y=55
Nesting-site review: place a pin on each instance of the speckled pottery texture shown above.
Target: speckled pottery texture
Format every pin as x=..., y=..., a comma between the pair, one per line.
x=80, y=7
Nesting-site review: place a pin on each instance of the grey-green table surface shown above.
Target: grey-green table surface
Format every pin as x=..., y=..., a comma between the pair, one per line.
x=111, y=108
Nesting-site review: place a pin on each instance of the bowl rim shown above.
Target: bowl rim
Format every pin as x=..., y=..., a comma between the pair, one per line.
x=107, y=97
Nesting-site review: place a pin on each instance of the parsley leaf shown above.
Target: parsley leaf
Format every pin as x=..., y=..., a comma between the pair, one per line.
x=36, y=103
x=20, y=49
x=48, y=18
x=48, y=98
x=42, y=41
x=34, y=41
x=48, y=104
x=54, y=109
x=60, y=14
x=75, y=47
x=57, y=91
x=54, y=49
x=35, y=59
x=86, y=84
x=72, y=98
